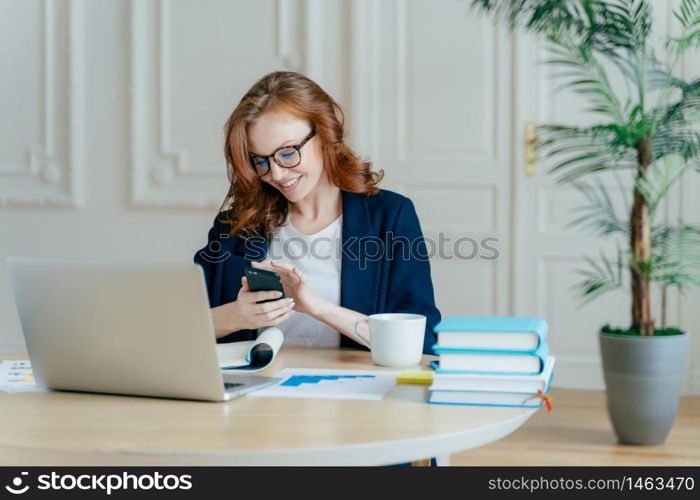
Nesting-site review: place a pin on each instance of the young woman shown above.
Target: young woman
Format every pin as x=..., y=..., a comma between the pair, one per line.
x=301, y=203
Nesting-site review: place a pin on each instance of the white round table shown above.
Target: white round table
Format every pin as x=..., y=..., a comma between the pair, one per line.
x=65, y=428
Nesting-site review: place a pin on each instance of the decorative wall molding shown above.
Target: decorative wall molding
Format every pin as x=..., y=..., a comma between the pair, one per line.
x=368, y=75
x=556, y=208
x=381, y=125
x=404, y=119
x=288, y=57
x=313, y=39
x=162, y=175
x=365, y=73
x=300, y=36
x=578, y=372
x=478, y=287
x=481, y=216
x=48, y=179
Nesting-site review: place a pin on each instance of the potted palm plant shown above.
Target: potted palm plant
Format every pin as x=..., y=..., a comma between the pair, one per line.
x=649, y=138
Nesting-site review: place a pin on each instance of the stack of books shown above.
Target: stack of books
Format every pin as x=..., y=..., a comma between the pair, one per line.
x=491, y=361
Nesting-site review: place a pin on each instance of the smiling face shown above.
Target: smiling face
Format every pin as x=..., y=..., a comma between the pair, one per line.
x=275, y=129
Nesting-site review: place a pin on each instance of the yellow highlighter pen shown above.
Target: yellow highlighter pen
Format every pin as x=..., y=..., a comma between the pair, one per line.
x=415, y=377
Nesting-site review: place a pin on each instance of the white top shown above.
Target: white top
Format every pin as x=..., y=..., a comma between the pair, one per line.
x=317, y=256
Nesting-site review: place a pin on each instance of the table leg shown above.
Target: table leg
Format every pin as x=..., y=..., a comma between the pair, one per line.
x=442, y=461
x=421, y=463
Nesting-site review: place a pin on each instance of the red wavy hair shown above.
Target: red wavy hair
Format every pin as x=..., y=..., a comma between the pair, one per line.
x=255, y=206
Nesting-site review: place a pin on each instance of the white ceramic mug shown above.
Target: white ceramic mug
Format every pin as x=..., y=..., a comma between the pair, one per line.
x=395, y=339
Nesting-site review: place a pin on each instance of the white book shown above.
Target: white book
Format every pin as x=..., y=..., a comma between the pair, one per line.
x=486, y=398
x=516, y=364
x=492, y=382
x=510, y=341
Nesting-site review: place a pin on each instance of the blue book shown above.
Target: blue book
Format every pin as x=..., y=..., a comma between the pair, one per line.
x=491, y=333
x=481, y=361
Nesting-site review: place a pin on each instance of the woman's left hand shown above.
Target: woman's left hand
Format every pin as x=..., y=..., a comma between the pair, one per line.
x=295, y=286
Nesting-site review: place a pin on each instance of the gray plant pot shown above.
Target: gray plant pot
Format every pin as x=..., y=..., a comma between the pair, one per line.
x=643, y=377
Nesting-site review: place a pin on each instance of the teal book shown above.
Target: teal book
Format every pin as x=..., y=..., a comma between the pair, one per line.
x=491, y=333
x=481, y=361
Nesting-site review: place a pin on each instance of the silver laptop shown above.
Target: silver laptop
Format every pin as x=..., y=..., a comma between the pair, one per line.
x=141, y=329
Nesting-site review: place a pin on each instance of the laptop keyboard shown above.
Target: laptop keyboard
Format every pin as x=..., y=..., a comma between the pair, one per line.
x=229, y=385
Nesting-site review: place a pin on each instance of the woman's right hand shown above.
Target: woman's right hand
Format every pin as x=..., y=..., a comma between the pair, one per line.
x=243, y=313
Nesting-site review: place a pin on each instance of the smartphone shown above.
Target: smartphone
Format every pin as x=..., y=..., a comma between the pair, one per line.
x=261, y=280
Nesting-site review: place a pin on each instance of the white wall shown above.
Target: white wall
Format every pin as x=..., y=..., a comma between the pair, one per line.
x=111, y=131
x=97, y=62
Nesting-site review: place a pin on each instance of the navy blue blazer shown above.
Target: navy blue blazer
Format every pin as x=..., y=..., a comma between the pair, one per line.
x=384, y=263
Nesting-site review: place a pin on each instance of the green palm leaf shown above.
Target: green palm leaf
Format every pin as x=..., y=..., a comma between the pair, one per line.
x=582, y=151
x=688, y=13
x=676, y=256
x=658, y=179
x=586, y=77
x=599, y=214
x=602, y=277
x=654, y=142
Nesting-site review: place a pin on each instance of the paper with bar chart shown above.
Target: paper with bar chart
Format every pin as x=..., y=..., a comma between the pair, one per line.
x=330, y=384
x=17, y=376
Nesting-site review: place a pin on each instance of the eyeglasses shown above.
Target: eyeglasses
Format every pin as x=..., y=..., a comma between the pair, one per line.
x=285, y=157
